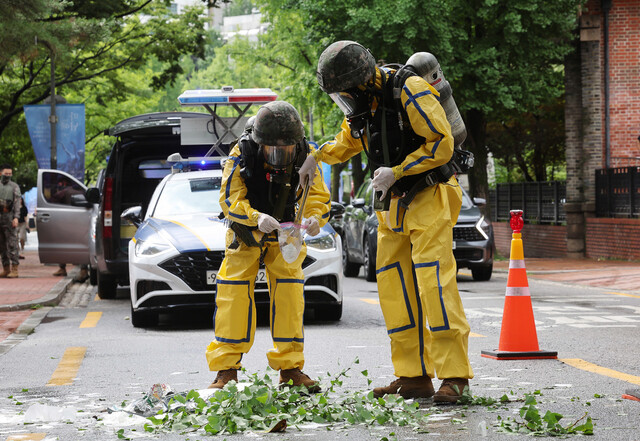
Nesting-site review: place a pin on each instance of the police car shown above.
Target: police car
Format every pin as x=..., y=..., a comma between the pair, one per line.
x=179, y=245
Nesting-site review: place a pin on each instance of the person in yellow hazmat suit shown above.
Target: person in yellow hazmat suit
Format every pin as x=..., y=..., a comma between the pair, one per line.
x=260, y=189
x=408, y=141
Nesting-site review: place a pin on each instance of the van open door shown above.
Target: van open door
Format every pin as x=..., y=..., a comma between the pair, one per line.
x=63, y=217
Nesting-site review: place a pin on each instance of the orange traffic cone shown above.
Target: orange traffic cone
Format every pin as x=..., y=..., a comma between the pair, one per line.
x=518, y=337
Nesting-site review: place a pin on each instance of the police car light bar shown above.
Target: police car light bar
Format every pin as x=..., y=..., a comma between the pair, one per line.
x=179, y=163
x=226, y=96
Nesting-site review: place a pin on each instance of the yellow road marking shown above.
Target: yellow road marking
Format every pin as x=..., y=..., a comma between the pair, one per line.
x=27, y=437
x=473, y=334
x=371, y=301
x=464, y=273
x=68, y=367
x=623, y=294
x=590, y=367
x=91, y=320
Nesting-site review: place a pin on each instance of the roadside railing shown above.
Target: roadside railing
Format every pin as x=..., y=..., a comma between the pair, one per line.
x=541, y=202
x=618, y=192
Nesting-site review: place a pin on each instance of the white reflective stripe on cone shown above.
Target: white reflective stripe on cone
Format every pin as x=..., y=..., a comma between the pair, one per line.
x=517, y=291
x=516, y=263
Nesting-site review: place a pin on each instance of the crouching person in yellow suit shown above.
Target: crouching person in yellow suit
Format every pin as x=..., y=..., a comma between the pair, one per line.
x=260, y=190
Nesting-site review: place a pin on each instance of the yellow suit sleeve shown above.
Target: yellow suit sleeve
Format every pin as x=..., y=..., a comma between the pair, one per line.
x=233, y=193
x=318, y=203
x=429, y=120
x=340, y=149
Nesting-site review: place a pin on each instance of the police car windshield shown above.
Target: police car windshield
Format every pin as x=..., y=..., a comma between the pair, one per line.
x=200, y=195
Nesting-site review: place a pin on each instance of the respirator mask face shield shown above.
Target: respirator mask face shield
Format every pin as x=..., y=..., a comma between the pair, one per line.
x=354, y=103
x=279, y=157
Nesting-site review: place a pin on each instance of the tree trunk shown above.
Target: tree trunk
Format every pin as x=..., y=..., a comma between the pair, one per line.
x=476, y=143
x=336, y=169
x=357, y=173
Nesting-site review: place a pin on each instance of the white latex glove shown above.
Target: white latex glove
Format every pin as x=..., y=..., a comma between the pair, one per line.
x=313, y=227
x=267, y=223
x=308, y=171
x=383, y=179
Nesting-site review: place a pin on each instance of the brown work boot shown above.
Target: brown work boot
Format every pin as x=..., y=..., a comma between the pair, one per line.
x=298, y=378
x=5, y=271
x=407, y=387
x=61, y=272
x=14, y=272
x=223, y=378
x=451, y=390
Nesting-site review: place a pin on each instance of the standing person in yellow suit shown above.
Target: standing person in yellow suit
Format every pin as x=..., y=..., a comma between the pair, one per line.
x=259, y=191
x=409, y=144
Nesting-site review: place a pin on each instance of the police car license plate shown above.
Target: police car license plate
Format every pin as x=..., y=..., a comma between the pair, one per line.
x=212, y=277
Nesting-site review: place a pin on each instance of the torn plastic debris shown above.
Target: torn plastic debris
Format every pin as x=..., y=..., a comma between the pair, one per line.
x=155, y=400
x=41, y=412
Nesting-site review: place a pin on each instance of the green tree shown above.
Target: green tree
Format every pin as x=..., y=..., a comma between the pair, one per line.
x=89, y=41
x=529, y=145
x=500, y=56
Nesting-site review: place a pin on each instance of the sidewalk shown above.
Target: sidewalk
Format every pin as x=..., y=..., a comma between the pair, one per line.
x=34, y=286
x=613, y=275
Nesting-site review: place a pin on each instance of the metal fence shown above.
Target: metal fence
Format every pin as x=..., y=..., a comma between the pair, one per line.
x=618, y=192
x=541, y=202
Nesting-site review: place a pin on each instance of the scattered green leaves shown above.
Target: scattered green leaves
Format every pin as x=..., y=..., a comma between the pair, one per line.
x=547, y=425
x=258, y=406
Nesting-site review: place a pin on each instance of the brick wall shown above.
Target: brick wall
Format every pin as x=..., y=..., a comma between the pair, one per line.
x=607, y=238
x=537, y=240
x=613, y=238
x=624, y=89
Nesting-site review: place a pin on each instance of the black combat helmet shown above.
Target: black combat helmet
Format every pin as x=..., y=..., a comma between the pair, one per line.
x=343, y=65
x=277, y=123
x=278, y=129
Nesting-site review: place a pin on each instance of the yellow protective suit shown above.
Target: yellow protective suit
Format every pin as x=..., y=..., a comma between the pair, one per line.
x=415, y=267
x=235, y=313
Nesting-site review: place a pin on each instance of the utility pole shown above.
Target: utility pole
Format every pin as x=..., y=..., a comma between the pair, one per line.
x=53, y=118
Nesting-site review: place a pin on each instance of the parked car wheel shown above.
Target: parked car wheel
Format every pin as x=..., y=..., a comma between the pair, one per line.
x=330, y=313
x=369, y=264
x=107, y=286
x=93, y=276
x=349, y=269
x=482, y=273
x=143, y=319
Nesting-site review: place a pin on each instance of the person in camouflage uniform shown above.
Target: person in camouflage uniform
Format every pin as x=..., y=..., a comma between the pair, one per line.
x=9, y=213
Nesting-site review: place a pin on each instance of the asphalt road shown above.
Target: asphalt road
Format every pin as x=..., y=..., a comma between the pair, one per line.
x=92, y=346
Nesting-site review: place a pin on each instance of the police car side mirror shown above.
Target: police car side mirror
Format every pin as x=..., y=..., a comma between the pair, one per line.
x=337, y=210
x=133, y=215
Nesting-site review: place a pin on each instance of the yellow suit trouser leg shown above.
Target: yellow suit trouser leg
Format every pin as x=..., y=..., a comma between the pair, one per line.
x=234, y=318
x=235, y=314
x=286, y=286
x=415, y=256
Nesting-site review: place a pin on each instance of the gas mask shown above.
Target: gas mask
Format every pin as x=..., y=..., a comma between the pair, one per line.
x=279, y=159
x=356, y=106
x=6, y=179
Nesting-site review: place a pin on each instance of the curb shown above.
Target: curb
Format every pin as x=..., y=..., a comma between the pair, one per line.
x=51, y=298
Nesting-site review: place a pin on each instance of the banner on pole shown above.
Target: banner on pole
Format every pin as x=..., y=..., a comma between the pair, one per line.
x=70, y=136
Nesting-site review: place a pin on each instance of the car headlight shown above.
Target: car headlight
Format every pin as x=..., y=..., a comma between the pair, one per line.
x=483, y=227
x=322, y=242
x=151, y=247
